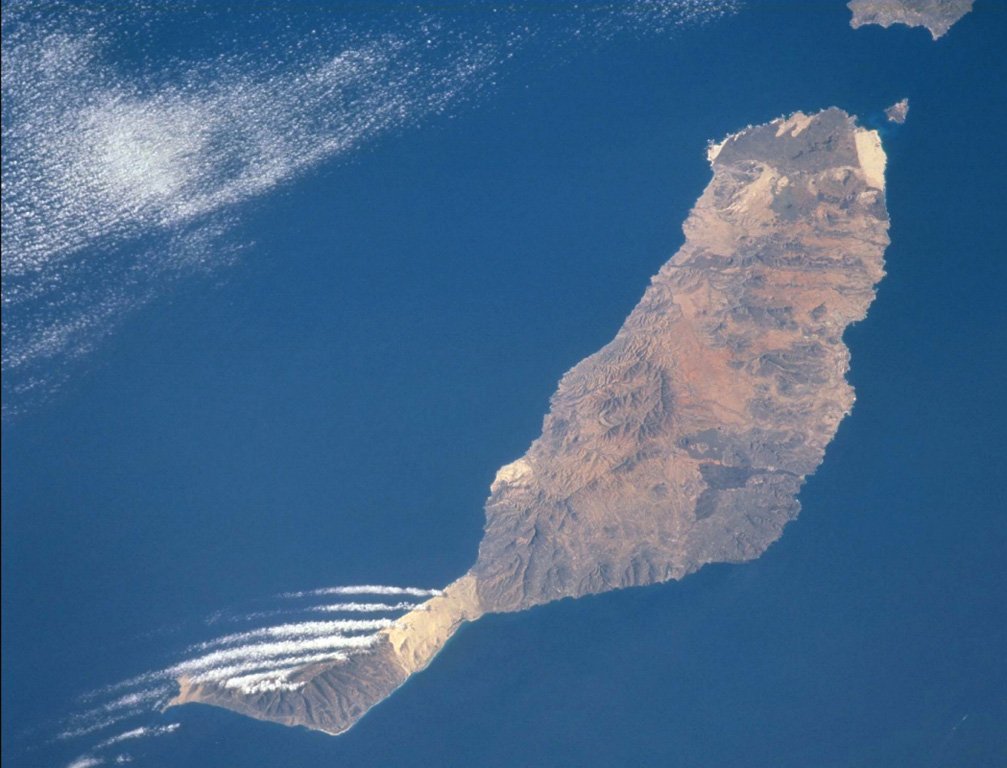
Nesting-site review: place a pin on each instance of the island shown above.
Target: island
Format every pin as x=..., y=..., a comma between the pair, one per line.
x=684, y=441
x=938, y=16
x=898, y=112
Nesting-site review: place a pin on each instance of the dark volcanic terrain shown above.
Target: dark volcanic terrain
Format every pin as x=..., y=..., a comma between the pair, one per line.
x=685, y=440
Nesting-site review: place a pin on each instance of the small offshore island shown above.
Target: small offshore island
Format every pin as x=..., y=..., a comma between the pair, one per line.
x=684, y=441
x=898, y=112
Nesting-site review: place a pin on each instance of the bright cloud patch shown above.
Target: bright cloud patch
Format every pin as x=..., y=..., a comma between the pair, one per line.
x=116, y=183
x=114, y=186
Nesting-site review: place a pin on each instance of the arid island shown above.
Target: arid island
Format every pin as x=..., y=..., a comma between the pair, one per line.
x=938, y=16
x=686, y=439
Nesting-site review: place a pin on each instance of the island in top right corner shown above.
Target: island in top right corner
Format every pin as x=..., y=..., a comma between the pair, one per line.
x=936, y=15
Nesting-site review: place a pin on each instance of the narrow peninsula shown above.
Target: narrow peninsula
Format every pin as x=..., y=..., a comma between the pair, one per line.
x=686, y=439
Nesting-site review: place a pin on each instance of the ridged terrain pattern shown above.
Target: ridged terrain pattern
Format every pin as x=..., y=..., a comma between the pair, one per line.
x=686, y=439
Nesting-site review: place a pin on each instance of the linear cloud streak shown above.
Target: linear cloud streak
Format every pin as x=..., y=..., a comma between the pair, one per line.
x=139, y=733
x=371, y=589
x=364, y=607
x=267, y=651
x=299, y=630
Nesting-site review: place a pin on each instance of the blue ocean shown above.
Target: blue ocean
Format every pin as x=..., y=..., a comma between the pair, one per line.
x=330, y=406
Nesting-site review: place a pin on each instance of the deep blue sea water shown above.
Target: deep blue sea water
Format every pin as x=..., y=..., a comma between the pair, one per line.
x=332, y=409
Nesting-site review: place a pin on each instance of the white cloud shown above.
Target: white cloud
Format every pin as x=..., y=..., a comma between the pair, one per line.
x=117, y=183
x=224, y=675
x=352, y=607
x=298, y=630
x=367, y=589
x=254, y=660
x=363, y=607
x=110, y=713
x=139, y=733
x=85, y=761
x=267, y=652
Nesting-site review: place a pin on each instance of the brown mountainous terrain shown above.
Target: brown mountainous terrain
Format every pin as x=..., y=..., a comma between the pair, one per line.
x=686, y=439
